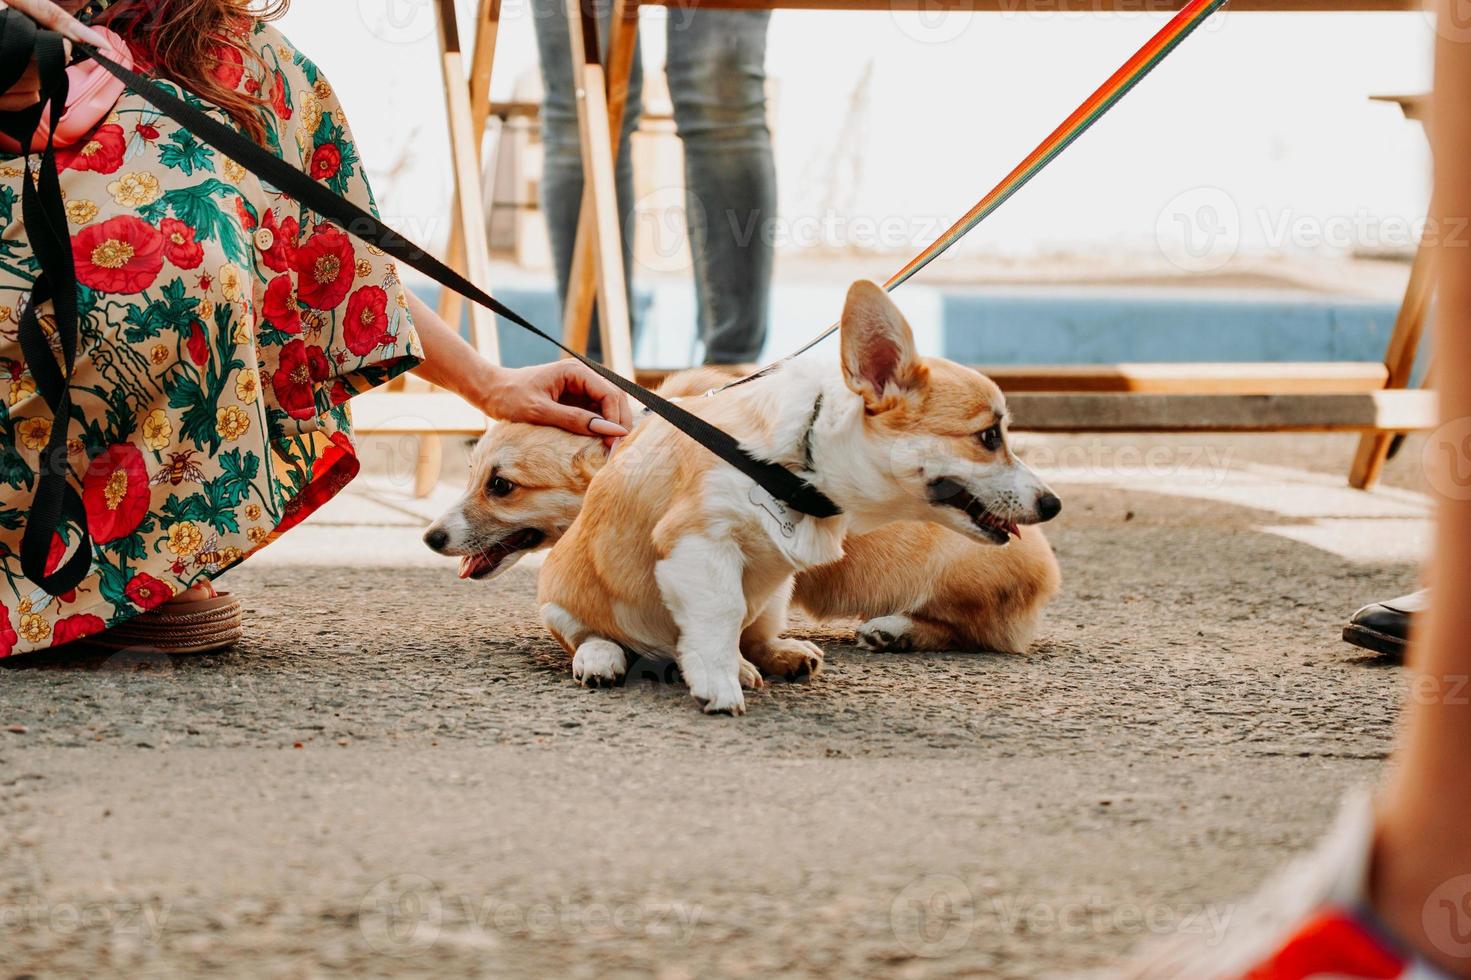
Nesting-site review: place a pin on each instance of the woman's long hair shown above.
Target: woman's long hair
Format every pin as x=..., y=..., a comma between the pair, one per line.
x=191, y=41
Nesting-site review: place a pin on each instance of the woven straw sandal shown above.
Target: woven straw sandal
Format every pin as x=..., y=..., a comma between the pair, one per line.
x=197, y=626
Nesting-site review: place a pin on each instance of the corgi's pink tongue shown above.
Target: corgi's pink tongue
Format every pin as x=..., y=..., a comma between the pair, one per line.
x=1012, y=529
x=471, y=565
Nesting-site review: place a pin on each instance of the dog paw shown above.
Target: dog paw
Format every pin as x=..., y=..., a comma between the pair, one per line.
x=750, y=675
x=599, y=663
x=790, y=659
x=720, y=695
x=887, y=634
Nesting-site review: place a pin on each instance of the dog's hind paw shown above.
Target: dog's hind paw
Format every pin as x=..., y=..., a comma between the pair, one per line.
x=887, y=634
x=788, y=659
x=599, y=663
x=750, y=675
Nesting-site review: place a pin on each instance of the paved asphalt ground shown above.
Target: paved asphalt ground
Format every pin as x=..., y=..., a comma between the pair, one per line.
x=394, y=774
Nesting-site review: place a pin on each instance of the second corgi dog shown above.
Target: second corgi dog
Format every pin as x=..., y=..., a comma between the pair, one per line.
x=675, y=554
x=916, y=586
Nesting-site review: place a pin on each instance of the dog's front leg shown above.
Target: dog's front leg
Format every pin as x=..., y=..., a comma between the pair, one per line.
x=700, y=582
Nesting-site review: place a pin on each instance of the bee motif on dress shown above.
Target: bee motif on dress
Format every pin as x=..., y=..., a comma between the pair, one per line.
x=178, y=469
x=209, y=557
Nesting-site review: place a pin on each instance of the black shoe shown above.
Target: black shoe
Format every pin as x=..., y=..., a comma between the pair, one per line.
x=1384, y=627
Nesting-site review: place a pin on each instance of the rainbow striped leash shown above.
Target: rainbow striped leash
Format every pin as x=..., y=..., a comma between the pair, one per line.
x=1191, y=16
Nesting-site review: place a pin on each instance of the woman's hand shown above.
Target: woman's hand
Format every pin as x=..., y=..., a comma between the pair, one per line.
x=27, y=91
x=563, y=393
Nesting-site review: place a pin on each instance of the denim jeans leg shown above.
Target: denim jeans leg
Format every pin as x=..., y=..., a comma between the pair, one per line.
x=717, y=82
x=561, y=190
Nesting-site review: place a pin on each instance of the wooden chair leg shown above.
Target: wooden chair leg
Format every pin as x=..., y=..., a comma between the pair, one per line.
x=1399, y=359
x=597, y=265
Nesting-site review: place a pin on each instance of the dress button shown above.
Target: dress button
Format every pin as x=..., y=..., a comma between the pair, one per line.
x=264, y=239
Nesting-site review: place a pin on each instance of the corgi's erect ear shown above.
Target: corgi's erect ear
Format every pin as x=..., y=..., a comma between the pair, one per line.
x=879, y=359
x=587, y=461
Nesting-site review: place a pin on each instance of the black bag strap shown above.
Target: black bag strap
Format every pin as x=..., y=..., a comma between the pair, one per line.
x=56, y=500
x=781, y=482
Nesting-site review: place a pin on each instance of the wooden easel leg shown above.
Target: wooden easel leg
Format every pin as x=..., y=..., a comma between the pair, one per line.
x=1404, y=344
x=467, y=102
x=465, y=136
x=487, y=27
x=429, y=464
x=598, y=253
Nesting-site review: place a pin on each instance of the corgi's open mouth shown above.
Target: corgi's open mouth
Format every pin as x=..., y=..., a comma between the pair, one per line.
x=948, y=493
x=483, y=563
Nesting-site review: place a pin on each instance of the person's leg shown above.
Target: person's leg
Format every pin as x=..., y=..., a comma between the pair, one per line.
x=561, y=188
x=717, y=82
x=1424, y=818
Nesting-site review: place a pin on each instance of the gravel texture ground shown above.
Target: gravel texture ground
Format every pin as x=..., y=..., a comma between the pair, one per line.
x=394, y=775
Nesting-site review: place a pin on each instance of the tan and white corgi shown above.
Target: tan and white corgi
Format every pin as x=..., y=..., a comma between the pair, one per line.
x=676, y=554
x=915, y=586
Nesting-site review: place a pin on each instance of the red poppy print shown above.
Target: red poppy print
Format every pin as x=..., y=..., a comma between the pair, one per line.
x=197, y=344
x=147, y=592
x=54, y=556
x=229, y=66
x=115, y=493
x=247, y=217
x=74, y=628
x=102, y=152
x=120, y=255
x=278, y=98
x=325, y=268
x=282, y=253
x=179, y=245
x=280, y=308
x=326, y=161
x=183, y=259
x=8, y=637
x=366, y=324
x=302, y=367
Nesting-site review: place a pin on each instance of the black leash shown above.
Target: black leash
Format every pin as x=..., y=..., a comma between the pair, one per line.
x=54, y=494
x=43, y=212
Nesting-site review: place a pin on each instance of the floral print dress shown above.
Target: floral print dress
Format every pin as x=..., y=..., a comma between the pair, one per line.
x=223, y=329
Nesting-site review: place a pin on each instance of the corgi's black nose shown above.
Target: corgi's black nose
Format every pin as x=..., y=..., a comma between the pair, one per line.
x=436, y=538
x=1048, y=506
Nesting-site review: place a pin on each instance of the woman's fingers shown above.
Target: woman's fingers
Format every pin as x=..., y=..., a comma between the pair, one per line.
x=49, y=15
x=611, y=401
x=580, y=421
